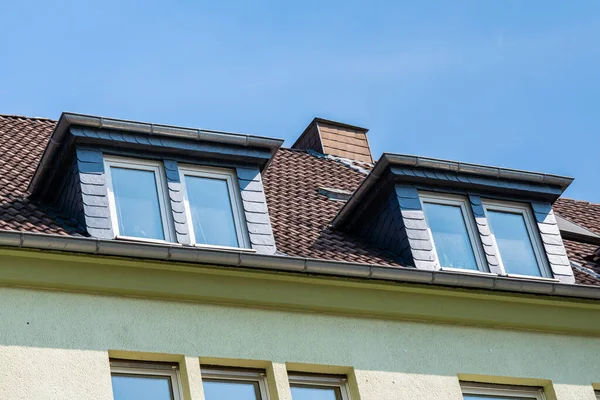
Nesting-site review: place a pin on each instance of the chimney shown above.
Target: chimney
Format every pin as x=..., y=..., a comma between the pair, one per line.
x=336, y=139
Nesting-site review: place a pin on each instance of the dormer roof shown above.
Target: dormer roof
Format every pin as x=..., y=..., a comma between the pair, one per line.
x=416, y=169
x=134, y=135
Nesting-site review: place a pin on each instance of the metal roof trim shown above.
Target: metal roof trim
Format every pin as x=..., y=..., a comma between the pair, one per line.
x=68, y=119
x=390, y=159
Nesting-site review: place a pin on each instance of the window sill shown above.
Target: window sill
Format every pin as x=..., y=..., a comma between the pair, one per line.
x=532, y=278
x=145, y=240
x=226, y=248
x=467, y=271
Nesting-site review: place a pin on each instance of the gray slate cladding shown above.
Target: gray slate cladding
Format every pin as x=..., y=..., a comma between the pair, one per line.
x=416, y=232
x=485, y=234
x=156, y=142
x=383, y=224
x=180, y=222
x=67, y=196
x=256, y=213
x=94, y=193
x=553, y=244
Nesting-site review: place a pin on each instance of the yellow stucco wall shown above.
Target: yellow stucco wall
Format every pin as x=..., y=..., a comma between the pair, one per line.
x=56, y=345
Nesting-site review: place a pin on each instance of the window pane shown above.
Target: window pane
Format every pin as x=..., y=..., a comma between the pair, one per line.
x=212, y=214
x=230, y=390
x=136, y=200
x=514, y=243
x=312, y=393
x=135, y=387
x=450, y=236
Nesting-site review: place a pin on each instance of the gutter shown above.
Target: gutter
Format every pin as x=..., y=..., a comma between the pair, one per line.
x=68, y=119
x=307, y=266
x=389, y=159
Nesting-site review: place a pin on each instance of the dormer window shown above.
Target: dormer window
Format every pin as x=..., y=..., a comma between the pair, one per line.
x=172, y=191
x=437, y=214
x=516, y=236
x=453, y=231
x=137, y=198
x=213, y=206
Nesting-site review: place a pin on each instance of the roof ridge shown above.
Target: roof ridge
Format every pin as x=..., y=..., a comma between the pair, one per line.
x=26, y=117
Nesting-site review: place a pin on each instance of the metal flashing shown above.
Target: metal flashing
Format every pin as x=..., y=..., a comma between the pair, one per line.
x=415, y=168
x=149, y=130
x=571, y=230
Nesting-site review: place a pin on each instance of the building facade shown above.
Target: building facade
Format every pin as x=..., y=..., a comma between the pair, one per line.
x=142, y=261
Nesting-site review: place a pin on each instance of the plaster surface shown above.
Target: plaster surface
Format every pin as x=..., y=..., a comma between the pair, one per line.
x=56, y=345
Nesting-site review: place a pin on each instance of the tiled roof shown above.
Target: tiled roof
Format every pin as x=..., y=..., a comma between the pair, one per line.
x=299, y=214
x=587, y=215
x=22, y=141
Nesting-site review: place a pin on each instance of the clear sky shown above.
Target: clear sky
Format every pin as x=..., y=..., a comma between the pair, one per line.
x=508, y=83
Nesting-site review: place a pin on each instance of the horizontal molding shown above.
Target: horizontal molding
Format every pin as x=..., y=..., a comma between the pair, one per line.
x=295, y=291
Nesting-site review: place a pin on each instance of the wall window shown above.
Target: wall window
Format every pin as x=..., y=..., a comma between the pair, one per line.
x=517, y=238
x=138, y=199
x=148, y=381
x=475, y=391
x=238, y=384
x=318, y=387
x=453, y=231
x=213, y=207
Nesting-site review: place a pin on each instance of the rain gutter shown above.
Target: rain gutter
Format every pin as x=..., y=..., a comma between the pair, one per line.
x=278, y=263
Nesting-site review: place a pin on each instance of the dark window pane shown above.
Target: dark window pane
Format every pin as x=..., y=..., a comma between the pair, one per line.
x=141, y=387
x=450, y=237
x=315, y=393
x=136, y=201
x=514, y=243
x=212, y=214
x=230, y=390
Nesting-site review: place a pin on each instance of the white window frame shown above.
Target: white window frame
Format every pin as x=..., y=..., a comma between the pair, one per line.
x=161, y=188
x=524, y=392
x=471, y=225
x=226, y=374
x=320, y=381
x=532, y=230
x=150, y=369
x=239, y=219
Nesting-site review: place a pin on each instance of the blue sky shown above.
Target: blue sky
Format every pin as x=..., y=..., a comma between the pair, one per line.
x=508, y=83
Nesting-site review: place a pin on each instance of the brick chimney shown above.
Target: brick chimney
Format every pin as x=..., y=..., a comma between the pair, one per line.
x=336, y=139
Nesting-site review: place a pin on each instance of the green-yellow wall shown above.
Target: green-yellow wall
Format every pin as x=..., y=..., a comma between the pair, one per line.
x=56, y=337
x=55, y=345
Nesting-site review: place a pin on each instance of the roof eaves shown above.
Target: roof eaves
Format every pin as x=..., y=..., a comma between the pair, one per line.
x=68, y=119
x=178, y=253
x=390, y=159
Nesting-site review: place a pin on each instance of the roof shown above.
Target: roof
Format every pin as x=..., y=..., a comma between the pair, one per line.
x=587, y=215
x=148, y=134
x=300, y=215
x=416, y=168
